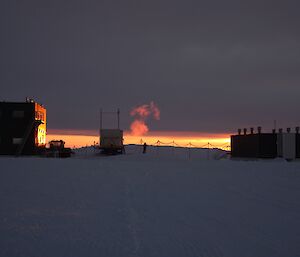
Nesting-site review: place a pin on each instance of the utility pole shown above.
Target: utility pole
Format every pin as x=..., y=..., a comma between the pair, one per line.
x=100, y=119
x=208, y=149
x=118, y=112
x=111, y=113
x=173, y=148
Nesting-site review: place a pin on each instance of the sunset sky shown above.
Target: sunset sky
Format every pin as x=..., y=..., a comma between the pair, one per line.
x=209, y=66
x=171, y=138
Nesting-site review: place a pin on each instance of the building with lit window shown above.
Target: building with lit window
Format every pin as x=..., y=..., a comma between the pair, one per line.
x=22, y=128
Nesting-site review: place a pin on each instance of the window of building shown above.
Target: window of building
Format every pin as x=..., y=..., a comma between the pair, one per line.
x=18, y=114
x=17, y=140
x=39, y=116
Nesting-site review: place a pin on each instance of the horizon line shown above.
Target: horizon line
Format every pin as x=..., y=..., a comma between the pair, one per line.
x=177, y=133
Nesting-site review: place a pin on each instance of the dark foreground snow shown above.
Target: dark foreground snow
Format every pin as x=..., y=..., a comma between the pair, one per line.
x=144, y=205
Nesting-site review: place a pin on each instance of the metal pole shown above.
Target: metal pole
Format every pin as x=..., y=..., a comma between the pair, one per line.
x=100, y=122
x=118, y=118
x=173, y=143
x=208, y=157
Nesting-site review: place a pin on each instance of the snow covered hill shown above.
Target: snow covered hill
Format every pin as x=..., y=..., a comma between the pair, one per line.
x=159, y=153
x=157, y=204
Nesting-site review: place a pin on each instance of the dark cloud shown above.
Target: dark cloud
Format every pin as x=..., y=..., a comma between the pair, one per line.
x=209, y=65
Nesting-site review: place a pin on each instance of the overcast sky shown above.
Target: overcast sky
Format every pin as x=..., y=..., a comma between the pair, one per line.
x=210, y=66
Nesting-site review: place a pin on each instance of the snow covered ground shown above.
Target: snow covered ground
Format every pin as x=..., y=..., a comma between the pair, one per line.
x=164, y=203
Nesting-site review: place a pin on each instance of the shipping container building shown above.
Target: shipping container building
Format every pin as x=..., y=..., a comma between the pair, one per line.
x=254, y=145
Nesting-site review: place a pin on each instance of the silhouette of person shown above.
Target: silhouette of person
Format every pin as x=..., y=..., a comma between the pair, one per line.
x=144, y=148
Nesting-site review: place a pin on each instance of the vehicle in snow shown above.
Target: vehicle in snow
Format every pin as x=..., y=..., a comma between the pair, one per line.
x=57, y=149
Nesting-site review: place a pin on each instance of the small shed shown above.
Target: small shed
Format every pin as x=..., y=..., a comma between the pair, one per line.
x=111, y=140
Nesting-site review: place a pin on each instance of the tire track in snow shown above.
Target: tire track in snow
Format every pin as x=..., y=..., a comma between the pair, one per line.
x=132, y=220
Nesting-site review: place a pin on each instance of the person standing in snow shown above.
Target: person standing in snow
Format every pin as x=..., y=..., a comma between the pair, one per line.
x=144, y=148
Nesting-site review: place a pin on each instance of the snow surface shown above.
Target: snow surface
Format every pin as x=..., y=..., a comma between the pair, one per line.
x=163, y=203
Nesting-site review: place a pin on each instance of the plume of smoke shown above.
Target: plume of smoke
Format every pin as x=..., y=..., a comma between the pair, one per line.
x=138, y=128
x=141, y=113
x=155, y=111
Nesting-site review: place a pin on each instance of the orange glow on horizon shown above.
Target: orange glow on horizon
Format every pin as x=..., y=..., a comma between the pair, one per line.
x=83, y=138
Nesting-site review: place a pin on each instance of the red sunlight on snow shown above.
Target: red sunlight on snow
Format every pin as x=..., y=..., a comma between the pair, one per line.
x=75, y=139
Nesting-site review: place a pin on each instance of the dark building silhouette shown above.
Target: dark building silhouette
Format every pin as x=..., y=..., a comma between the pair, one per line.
x=297, y=145
x=254, y=145
x=22, y=128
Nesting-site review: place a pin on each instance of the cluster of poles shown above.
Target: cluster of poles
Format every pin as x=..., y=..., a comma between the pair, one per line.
x=208, y=145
